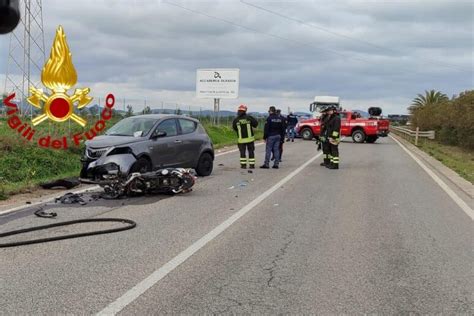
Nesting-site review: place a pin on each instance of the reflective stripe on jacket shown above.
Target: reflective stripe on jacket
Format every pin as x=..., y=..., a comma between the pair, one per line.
x=244, y=125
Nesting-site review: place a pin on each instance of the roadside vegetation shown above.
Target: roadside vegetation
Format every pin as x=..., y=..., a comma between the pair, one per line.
x=23, y=165
x=453, y=121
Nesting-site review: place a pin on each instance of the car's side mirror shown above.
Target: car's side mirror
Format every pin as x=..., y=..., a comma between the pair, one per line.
x=158, y=134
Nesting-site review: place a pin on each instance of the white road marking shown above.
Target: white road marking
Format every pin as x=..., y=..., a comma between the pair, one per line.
x=440, y=182
x=87, y=189
x=132, y=294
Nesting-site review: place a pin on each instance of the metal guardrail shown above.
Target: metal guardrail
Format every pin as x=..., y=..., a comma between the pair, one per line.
x=414, y=133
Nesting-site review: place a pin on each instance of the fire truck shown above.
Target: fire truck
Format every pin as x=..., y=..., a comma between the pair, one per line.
x=361, y=129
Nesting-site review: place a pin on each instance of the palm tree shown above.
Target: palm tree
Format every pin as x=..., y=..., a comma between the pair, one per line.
x=431, y=97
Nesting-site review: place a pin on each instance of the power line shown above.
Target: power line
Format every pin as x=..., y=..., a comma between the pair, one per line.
x=317, y=48
x=436, y=62
x=265, y=33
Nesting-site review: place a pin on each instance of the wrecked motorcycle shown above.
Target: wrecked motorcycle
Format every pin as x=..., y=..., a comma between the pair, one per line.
x=166, y=181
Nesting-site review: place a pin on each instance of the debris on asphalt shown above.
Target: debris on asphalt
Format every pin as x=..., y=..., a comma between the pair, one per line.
x=28, y=202
x=276, y=204
x=243, y=183
x=96, y=197
x=221, y=164
x=231, y=188
x=68, y=183
x=42, y=213
x=71, y=198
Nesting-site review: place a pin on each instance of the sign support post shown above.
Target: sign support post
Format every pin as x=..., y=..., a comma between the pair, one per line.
x=216, y=111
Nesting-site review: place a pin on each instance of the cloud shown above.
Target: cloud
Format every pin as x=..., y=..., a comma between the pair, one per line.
x=366, y=52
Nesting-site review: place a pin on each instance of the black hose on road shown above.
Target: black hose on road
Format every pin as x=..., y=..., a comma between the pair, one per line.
x=131, y=224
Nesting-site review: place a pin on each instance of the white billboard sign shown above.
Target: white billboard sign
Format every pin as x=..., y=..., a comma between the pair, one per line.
x=219, y=83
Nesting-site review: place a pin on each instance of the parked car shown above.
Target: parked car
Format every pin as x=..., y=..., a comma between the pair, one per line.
x=148, y=142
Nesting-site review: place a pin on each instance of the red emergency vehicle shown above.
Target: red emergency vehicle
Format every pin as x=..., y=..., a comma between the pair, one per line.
x=361, y=129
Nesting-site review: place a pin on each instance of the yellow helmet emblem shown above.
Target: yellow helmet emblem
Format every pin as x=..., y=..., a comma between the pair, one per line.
x=59, y=75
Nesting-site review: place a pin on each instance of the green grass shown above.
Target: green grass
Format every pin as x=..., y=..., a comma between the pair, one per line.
x=23, y=165
x=458, y=159
x=224, y=135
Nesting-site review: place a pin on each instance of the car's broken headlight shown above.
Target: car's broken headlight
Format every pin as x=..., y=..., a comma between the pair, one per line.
x=110, y=169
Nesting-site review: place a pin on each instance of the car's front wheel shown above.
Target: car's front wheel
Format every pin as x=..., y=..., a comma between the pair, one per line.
x=142, y=165
x=205, y=165
x=307, y=133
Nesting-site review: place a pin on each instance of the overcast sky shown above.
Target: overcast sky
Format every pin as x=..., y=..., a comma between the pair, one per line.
x=370, y=53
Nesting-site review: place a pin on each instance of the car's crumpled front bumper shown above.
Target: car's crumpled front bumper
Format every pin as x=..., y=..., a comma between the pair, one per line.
x=94, y=170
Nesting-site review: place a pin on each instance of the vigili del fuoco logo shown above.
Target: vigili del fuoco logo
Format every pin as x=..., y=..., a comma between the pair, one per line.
x=59, y=76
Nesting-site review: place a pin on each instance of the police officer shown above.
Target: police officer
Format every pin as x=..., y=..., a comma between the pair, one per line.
x=273, y=132
x=333, y=132
x=282, y=140
x=323, y=138
x=244, y=124
x=291, y=120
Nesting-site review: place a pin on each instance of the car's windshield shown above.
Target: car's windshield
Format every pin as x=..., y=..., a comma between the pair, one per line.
x=132, y=126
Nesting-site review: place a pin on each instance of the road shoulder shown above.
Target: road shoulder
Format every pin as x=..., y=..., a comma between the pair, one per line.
x=462, y=187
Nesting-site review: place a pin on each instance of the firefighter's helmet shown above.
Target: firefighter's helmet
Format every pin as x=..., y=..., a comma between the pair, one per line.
x=242, y=108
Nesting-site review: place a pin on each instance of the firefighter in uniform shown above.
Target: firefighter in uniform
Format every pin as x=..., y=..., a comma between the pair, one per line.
x=333, y=132
x=323, y=139
x=244, y=124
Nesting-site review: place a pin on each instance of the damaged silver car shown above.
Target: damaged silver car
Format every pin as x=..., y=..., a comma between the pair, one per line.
x=148, y=142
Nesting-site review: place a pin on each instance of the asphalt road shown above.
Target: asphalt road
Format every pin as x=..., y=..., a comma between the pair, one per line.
x=377, y=236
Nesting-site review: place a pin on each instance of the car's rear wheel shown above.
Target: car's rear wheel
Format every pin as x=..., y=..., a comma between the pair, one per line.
x=142, y=165
x=205, y=165
x=358, y=136
x=307, y=133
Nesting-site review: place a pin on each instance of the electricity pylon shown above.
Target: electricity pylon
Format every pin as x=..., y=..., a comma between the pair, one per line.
x=26, y=54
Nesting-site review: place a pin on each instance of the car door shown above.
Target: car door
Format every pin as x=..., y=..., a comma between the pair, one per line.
x=345, y=124
x=164, y=148
x=190, y=147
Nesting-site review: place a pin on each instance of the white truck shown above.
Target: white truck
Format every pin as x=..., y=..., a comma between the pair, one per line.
x=320, y=101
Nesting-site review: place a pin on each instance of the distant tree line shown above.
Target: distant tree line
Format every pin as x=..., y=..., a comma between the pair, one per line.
x=452, y=119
